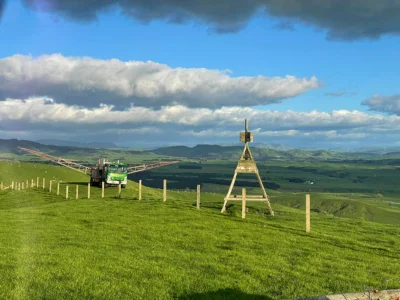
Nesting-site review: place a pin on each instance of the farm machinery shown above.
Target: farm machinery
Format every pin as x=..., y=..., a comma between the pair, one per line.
x=111, y=173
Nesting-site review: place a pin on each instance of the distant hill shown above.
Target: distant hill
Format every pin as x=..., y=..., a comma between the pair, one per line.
x=199, y=151
x=259, y=145
x=226, y=152
x=11, y=146
x=77, y=144
x=260, y=152
x=9, y=150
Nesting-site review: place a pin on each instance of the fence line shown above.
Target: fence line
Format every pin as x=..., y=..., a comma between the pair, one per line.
x=101, y=194
x=21, y=185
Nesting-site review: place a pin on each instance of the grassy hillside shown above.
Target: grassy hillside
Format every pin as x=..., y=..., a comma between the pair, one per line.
x=370, y=207
x=125, y=249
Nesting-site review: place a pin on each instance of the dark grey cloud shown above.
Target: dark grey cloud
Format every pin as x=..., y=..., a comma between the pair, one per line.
x=2, y=5
x=342, y=19
x=387, y=104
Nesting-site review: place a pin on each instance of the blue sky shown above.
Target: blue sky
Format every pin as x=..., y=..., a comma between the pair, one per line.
x=358, y=68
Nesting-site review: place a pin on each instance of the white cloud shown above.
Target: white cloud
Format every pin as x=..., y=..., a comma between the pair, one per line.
x=44, y=110
x=43, y=118
x=89, y=82
x=327, y=135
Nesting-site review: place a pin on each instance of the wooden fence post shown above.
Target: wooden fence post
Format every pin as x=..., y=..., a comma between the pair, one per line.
x=165, y=190
x=37, y=182
x=27, y=184
x=77, y=192
x=198, y=196
x=102, y=189
x=119, y=190
x=44, y=182
x=140, y=189
x=32, y=183
x=12, y=185
x=307, y=213
x=23, y=185
x=51, y=185
x=66, y=192
x=243, y=203
x=58, y=188
x=88, y=190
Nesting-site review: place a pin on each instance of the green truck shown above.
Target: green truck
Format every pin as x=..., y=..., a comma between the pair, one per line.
x=110, y=173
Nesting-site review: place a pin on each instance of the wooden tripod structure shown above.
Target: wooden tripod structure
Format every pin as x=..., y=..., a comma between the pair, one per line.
x=247, y=164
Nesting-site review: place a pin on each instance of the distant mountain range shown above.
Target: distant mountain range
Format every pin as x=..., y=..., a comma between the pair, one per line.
x=77, y=144
x=11, y=146
x=219, y=152
x=198, y=152
x=274, y=146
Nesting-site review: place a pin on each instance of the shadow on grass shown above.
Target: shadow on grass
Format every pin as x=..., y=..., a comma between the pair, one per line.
x=234, y=209
x=78, y=183
x=230, y=294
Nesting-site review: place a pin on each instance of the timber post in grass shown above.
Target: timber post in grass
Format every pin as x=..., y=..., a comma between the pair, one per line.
x=307, y=213
x=23, y=185
x=51, y=185
x=102, y=189
x=243, y=203
x=140, y=189
x=198, y=197
x=165, y=190
x=32, y=183
x=58, y=188
x=247, y=164
x=12, y=185
x=44, y=182
x=77, y=192
x=119, y=190
x=66, y=192
x=27, y=184
x=88, y=190
x=37, y=182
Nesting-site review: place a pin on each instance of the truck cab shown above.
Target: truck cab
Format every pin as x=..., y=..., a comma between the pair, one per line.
x=111, y=174
x=116, y=173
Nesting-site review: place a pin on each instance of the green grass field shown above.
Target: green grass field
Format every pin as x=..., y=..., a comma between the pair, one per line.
x=122, y=248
